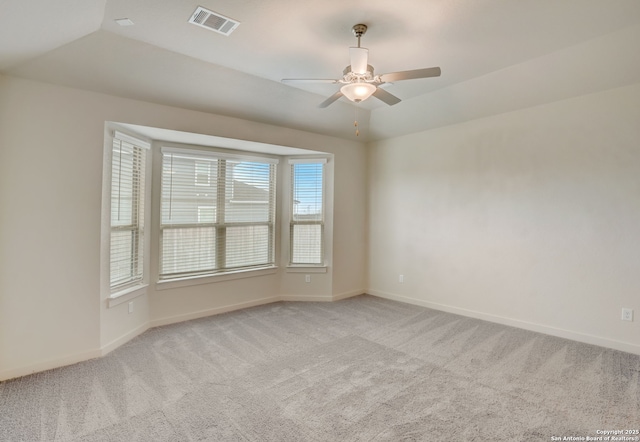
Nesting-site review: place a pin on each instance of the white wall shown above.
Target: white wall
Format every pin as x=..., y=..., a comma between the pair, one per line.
x=51, y=151
x=49, y=207
x=529, y=218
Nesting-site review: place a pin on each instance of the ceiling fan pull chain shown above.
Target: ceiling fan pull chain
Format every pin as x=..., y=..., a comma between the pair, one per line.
x=355, y=123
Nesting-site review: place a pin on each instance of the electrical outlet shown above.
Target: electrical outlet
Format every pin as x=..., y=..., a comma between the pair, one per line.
x=627, y=314
x=307, y=278
x=131, y=307
x=401, y=278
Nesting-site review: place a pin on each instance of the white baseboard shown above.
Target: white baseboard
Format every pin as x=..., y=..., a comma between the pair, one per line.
x=351, y=294
x=540, y=328
x=108, y=348
x=254, y=303
x=303, y=298
x=212, y=311
x=322, y=298
x=49, y=364
x=72, y=359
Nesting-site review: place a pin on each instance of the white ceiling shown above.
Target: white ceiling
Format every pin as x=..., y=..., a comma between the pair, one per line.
x=496, y=55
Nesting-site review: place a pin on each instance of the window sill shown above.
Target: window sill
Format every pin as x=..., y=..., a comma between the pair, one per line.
x=306, y=269
x=126, y=295
x=208, y=279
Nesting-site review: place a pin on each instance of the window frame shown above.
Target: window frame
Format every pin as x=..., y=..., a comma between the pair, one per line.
x=124, y=291
x=224, y=192
x=322, y=222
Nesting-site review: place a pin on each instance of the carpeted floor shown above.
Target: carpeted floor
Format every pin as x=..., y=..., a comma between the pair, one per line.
x=362, y=369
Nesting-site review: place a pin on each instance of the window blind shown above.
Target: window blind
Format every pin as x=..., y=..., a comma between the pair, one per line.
x=127, y=211
x=307, y=212
x=217, y=213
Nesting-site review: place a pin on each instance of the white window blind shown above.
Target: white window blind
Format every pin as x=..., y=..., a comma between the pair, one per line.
x=217, y=213
x=307, y=211
x=127, y=211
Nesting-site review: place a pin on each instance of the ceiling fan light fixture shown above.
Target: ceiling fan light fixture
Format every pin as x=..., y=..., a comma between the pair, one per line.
x=358, y=91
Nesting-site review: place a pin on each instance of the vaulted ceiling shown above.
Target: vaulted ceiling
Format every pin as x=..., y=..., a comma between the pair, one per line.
x=496, y=55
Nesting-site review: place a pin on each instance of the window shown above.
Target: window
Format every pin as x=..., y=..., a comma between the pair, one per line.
x=217, y=213
x=307, y=212
x=126, y=255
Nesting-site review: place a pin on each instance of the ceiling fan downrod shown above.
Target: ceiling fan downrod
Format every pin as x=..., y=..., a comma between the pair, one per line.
x=359, y=30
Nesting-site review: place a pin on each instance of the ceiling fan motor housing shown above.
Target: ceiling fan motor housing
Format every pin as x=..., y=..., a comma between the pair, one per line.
x=359, y=30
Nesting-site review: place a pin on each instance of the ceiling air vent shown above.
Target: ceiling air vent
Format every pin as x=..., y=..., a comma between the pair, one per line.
x=213, y=21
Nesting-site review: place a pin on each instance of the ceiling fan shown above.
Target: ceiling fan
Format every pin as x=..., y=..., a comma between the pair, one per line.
x=358, y=80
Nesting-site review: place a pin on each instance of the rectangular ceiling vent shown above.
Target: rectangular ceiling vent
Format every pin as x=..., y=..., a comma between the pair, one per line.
x=213, y=21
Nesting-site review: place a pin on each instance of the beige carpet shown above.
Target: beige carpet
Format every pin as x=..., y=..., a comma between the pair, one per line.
x=362, y=369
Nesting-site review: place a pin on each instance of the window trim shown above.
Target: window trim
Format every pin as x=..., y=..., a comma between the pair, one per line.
x=167, y=284
x=118, y=294
x=293, y=267
x=136, y=227
x=219, y=274
x=127, y=295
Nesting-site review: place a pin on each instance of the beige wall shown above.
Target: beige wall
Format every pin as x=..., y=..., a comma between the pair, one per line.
x=51, y=155
x=529, y=218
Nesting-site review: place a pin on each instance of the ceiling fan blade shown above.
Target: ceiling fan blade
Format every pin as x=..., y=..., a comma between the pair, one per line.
x=308, y=80
x=410, y=75
x=331, y=99
x=359, y=59
x=385, y=96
